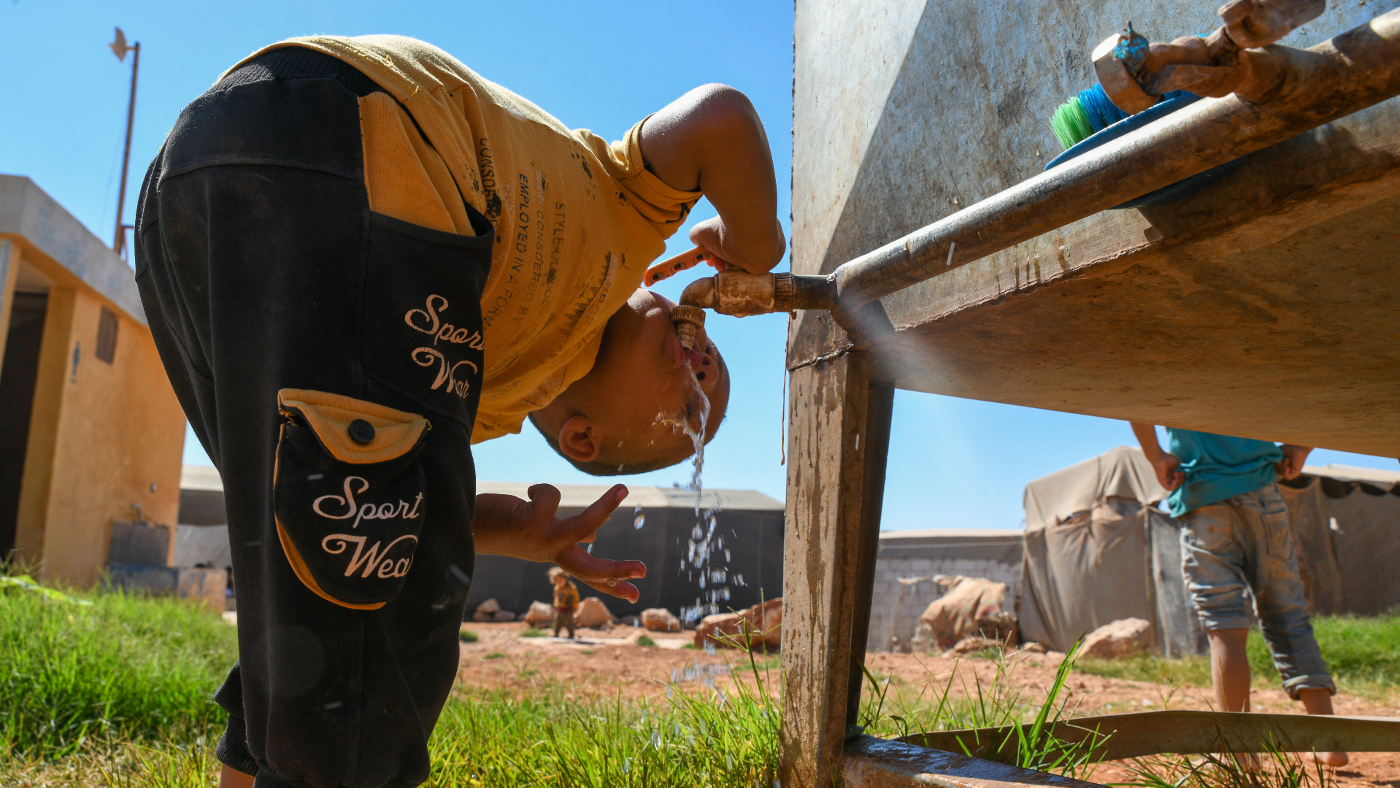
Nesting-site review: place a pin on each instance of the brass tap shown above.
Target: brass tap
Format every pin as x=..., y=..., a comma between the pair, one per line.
x=688, y=320
x=1235, y=58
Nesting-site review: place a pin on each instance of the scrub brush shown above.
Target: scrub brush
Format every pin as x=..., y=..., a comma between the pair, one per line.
x=1087, y=113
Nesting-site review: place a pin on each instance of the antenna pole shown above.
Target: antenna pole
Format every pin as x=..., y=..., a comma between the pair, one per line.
x=119, y=239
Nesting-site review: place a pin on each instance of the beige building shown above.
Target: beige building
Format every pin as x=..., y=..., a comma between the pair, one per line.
x=90, y=430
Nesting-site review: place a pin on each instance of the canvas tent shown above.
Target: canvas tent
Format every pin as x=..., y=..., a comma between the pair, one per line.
x=1098, y=549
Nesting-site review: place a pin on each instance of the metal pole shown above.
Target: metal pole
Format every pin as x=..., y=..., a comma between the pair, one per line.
x=119, y=238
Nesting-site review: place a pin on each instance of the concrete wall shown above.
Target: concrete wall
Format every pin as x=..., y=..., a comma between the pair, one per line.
x=994, y=555
x=103, y=436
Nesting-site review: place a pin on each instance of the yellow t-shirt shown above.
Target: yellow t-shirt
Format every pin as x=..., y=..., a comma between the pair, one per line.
x=577, y=219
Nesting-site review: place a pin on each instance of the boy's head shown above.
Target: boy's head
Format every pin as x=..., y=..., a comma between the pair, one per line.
x=622, y=416
x=558, y=576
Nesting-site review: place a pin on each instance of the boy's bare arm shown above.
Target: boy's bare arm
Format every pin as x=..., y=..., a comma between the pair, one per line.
x=712, y=140
x=1167, y=466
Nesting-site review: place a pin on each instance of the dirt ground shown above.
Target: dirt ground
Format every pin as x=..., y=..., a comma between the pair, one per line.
x=602, y=663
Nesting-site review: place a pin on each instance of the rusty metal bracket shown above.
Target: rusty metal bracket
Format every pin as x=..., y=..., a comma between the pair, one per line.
x=1186, y=732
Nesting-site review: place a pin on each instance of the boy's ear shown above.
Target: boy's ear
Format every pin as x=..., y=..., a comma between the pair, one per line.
x=577, y=441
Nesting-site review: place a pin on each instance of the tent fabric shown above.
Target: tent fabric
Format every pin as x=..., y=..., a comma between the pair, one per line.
x=1087, y=571
x=1123, y=472
x=1098, y=550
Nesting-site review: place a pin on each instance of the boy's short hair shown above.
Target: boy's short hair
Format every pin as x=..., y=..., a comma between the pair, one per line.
x=599, y=468
x=555, y=573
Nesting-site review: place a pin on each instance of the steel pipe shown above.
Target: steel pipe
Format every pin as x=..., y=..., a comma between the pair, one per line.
x=1338, y=77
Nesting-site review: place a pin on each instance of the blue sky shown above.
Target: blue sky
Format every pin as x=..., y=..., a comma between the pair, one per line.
x=953, y=463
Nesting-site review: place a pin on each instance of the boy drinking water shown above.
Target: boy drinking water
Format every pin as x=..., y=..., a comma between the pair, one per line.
x=358, y=258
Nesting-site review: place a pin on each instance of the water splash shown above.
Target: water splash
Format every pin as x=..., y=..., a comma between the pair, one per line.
x=704, y=543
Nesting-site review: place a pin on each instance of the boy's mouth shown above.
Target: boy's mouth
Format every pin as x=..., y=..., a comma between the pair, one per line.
x=694, y=358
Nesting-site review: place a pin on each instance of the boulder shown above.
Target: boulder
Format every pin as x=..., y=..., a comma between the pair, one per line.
x=630, y=621
x=969, y=607
x=483, y=618
x=1123, y=638
x=759, y=626
x=592, y=613
x=768, y=619
x=540, y=614
x=503, y=616
x=659, y=619
x=490, y=607
x=727, y=625
x=973, y=645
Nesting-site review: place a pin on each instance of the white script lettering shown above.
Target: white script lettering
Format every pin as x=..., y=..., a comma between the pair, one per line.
x=369, y=559
x=446, y=376
x=427, y=321
x=365, y=511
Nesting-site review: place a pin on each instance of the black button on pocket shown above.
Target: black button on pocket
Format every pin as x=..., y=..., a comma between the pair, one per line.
x=361, y=432
x=350, y=495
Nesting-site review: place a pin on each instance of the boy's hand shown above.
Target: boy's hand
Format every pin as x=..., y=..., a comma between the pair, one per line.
x=506, y=525
x=1291, y=466
x=730, y=249
x=1168, y=469
x=711, y=140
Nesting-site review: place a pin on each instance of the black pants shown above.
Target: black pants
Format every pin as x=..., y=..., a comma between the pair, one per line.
x=264, y=274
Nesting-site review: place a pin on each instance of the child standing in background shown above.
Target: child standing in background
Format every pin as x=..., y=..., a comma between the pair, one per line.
x=565, y=601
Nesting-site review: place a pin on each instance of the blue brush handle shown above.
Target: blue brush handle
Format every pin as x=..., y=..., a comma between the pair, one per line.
x=1169, y=104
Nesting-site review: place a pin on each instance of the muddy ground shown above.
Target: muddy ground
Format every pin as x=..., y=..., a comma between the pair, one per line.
x=601, y=663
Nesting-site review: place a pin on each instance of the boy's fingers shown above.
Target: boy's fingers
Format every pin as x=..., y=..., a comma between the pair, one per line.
x=596, y=572
x=625, y=591
x=583, y=524
x=544, y=498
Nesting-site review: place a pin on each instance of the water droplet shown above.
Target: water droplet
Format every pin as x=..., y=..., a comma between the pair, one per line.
x=639, y=518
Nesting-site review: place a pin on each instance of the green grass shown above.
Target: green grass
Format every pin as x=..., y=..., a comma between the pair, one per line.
x=135, y=677
x=1362, y=652
x=645, y=640
x=531, y=632
x=128, y=666
x=494, y=655
x=467, y=636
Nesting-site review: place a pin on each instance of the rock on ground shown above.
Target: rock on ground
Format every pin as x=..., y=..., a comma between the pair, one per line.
x=972, y=645
x=539, y=613
x=760, y=625
x=489, y=607
x=592, y=613
x=659, y=619
x=503, y=616
x=970, y=606
x=1123, y=638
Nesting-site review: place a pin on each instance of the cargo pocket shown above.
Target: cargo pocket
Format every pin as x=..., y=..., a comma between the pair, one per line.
x=349, y=495
x=421, y=331
x=1278, y=537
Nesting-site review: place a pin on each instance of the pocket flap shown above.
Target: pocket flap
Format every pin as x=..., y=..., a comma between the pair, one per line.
x=333, y=418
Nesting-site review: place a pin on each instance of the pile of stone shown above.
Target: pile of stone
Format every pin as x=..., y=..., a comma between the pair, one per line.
x=971, y=607
x=757, y=627
x=490, y=611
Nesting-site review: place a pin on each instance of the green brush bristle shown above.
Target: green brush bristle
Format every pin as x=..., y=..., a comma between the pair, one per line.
x=1071, y=123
